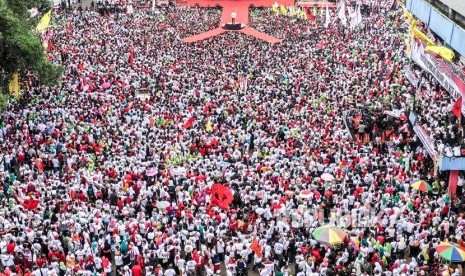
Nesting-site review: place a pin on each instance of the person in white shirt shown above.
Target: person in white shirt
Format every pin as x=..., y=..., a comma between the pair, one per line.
x=170, y=271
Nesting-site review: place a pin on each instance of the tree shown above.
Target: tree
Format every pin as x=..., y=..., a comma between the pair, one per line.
x=20, y=46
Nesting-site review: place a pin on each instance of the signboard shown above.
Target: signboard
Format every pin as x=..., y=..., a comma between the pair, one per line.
x=425, y=139
x=394, y=113
x=412, y=77
x=448, y=75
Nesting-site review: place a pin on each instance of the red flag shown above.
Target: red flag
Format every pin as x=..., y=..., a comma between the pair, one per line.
x=256, y=248
x=457, y=109
x=221, y=196
x=131, y=56
x=310, y=15
x=30, y=204
x=70, y=27
x=50, y=45
x=189, y=123
x=39, y=165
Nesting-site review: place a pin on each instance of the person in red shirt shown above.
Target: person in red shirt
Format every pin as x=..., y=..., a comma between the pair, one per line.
x=136, y=270
x=11, y=247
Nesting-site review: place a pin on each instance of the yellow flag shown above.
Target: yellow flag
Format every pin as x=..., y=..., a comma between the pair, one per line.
x=283, y=10
x=303, y=14
x=444, y=52
x=276, y=8
x=314, y=11
x=423, y=37
x=209, y=127
x=13, y=86
x=293, y=11
x=44, y=22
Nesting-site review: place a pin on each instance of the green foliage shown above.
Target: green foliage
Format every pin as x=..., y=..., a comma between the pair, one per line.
x=5, y=98
x=20, y=47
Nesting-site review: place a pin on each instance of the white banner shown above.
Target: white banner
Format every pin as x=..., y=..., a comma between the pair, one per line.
x=452, y=81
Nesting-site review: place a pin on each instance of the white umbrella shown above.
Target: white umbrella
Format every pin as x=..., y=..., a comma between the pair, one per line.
x=162, y=204
x=41, y=127
x=260, y=211
x=178, y=171
x=306, y=194
x=224, y=164
x=151, y=172
x=327, y=177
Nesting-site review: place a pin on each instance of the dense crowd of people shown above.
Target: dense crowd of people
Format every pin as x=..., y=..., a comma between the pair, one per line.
x=111, y=171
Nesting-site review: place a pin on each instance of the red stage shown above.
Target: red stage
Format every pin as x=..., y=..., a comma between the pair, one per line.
x=241, y=8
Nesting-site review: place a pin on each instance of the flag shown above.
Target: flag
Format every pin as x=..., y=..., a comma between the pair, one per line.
x=221, y=196
x=303, y=14
x=292, y=11
x=442, y=51
x=39, y=165
x=314, y=11
x=423, y=36
x=243, y=84
x=457, y=109
x=276, y=8
x=151, y=121
x=209, y=127
x=328, y=18
x=342, y=14
x=380, y=22
x=355, y=17
x=310, y=15
x=283, y=10
x=359, y=15
x=131, y=56
x=255, y=246
x=13, y=86
x=70, y=27
x=44, y=22
x=189, y=123
x=30, y=204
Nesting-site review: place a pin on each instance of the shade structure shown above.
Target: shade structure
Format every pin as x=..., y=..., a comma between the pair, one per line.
x=421, y=185
x=451, y=252
x=305, y=194
x=327, y=177
x=151, y=172
x=162, y=204
x=329, y=234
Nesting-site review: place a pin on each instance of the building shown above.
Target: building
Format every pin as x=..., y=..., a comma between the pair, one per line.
x=446, y=19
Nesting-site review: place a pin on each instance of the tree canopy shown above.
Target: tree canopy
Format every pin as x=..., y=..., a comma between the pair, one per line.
x=20, y=46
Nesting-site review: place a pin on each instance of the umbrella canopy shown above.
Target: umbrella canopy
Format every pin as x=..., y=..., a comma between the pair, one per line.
x=162, y=204
x=327, y=177
x=421, y=185
x=329, y=234
x=451, y=252
x=151, y=172
x=106, y=85
x=178, y=171
x=306, y=194
x=224, y=164
x=260, y=211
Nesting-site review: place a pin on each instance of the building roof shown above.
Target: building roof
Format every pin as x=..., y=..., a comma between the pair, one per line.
x=456, y=5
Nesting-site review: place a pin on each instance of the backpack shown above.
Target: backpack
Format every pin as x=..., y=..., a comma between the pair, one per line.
x=241, y=266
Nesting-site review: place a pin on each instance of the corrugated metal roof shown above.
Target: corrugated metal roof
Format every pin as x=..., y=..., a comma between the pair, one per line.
x=456, y=5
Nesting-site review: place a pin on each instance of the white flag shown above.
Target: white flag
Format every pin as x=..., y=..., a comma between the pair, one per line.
x=328, y=19
x=342, y=14
x=359, y=15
